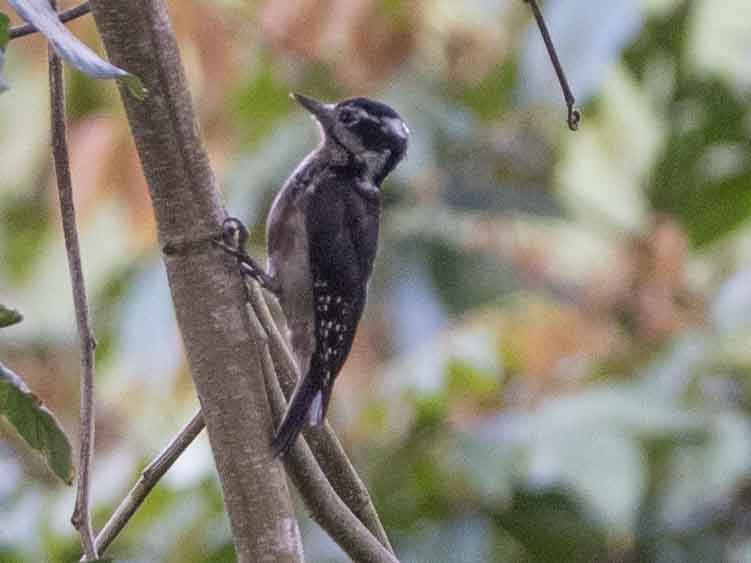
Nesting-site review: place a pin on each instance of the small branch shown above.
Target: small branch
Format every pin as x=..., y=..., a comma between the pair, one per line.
x=336, y=517
x=150, y=476
x=328, y=450
x=574, y=115
x=81, y=518
x=66, y=16
x=325, y=505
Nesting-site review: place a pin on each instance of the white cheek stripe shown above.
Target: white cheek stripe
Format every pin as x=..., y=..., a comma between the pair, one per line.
x=396, y=126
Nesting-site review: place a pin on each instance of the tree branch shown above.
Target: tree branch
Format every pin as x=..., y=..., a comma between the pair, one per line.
x=207, y=291
x=150, y=476
x=81, y=518
x=339, y=523
x=323, y=441
x=325, y=505
x=202, y=285
x=66, y=16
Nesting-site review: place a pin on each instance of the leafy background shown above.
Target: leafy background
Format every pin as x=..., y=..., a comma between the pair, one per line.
x=554, y=364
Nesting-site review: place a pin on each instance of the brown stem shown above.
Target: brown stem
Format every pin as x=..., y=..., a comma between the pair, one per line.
x=150, y=476
x=574, y=115
x=81, y=518
x=66, y=16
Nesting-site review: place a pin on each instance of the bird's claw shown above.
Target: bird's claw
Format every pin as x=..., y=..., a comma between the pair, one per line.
x=233, y=240
x=234, y=233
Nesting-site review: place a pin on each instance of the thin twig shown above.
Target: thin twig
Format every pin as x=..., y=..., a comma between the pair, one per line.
x=322, y=440
x=81, y=518
x=574, y=115
x=150, y=476
x=325, y=505
x=66, y=16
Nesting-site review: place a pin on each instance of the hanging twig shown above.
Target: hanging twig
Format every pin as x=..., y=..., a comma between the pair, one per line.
x=150, y=476
x=66, y=16
x=574, y=115
x=82, y=514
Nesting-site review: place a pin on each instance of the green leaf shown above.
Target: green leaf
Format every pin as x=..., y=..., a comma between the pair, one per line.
x=4, y=38
x=704, y=173
x=45, y=19
x=8, y=316
x=4, y=30
x=35, y=424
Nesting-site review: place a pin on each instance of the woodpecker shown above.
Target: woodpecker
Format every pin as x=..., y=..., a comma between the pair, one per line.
x=322, y=237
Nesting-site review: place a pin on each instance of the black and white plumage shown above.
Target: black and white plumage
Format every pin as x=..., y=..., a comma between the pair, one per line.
x=322, y=236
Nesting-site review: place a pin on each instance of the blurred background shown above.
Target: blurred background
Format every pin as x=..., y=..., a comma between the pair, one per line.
x=555, y=361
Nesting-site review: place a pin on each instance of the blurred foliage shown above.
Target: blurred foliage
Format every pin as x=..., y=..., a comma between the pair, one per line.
x=554, y=363
x=703, y=173
x=4, y=38
x=4, y=30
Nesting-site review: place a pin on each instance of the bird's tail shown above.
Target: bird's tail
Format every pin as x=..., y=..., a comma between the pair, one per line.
x=307, y=392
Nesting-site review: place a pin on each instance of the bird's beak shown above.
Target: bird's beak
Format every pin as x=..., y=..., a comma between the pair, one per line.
x=324, y=113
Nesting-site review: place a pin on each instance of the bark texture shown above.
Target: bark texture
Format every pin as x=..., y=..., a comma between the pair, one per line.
x=206, y=287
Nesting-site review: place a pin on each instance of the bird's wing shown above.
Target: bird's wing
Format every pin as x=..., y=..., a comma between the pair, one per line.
x=342, y=229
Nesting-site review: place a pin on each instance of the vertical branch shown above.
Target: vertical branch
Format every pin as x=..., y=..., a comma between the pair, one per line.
x=207, y=292
x=82, y=514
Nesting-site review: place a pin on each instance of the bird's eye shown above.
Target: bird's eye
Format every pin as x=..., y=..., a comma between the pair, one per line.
x=348, y=117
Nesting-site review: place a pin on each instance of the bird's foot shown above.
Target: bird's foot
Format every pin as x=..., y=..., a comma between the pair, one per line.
x=234, y=237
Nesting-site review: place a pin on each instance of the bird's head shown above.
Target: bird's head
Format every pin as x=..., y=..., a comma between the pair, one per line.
x=371, y=132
